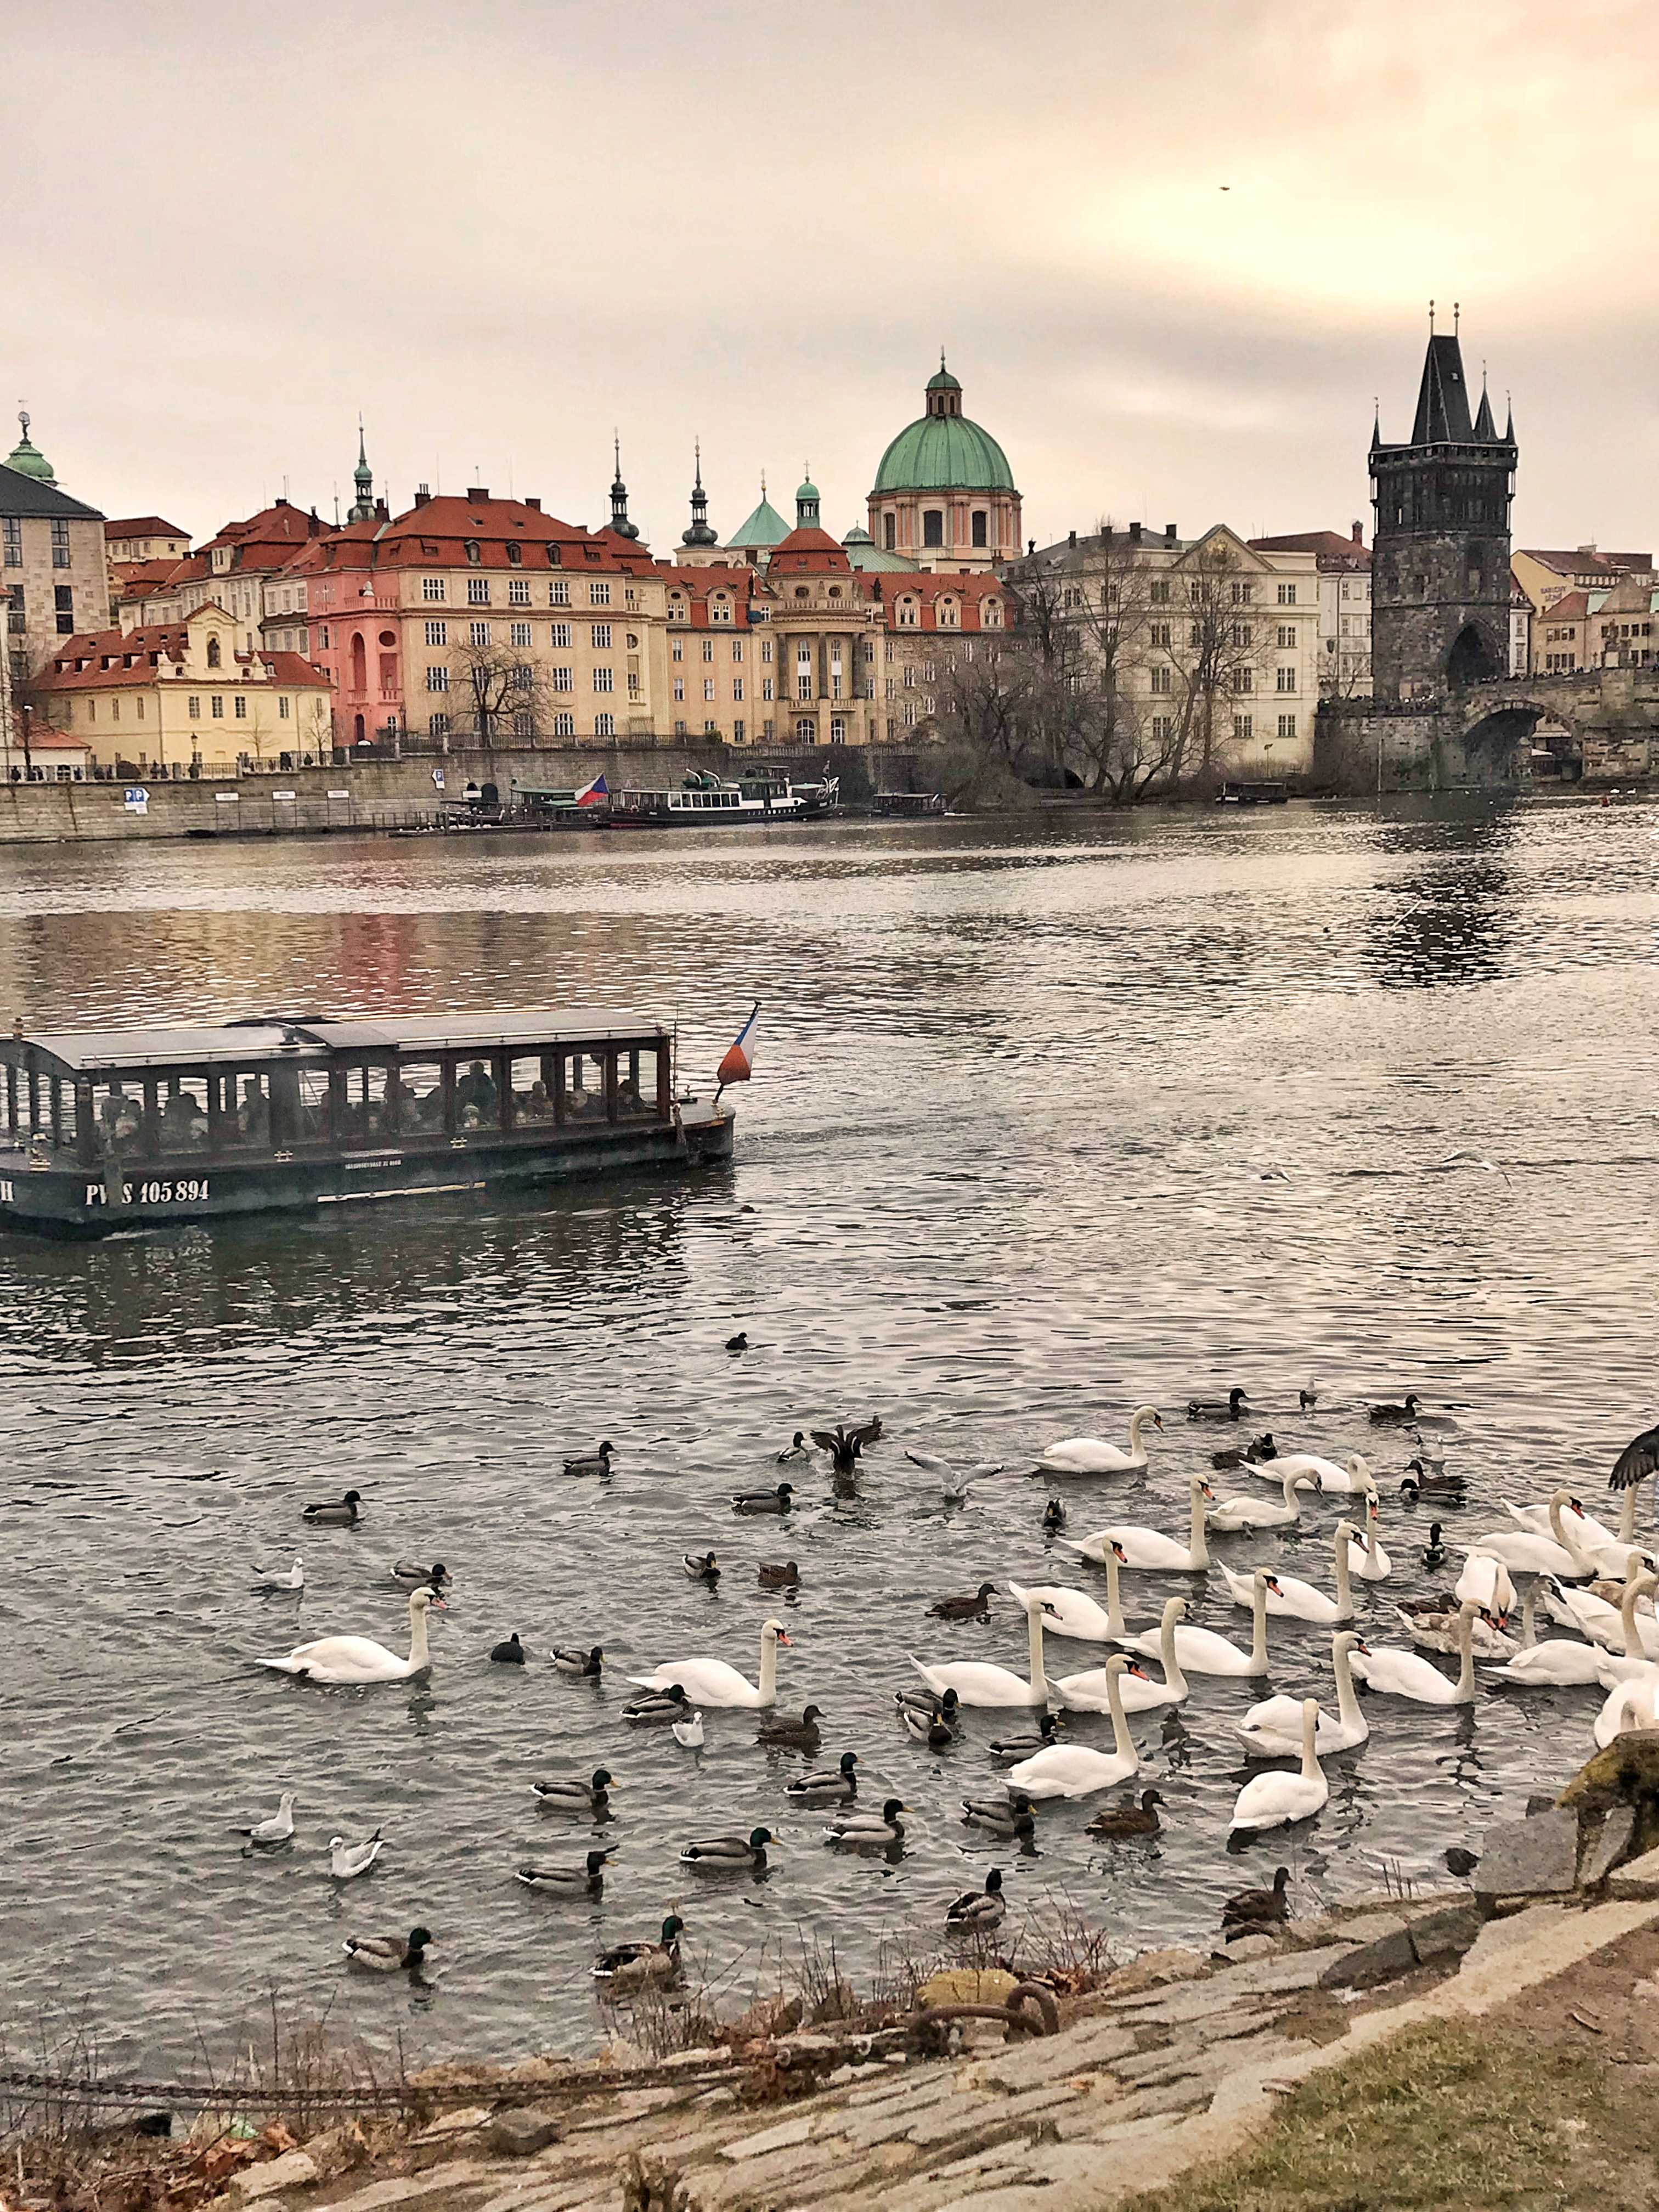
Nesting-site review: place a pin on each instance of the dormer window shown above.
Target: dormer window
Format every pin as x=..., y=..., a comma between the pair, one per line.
x=555, y=557
x=472, y=554
x=514, y=556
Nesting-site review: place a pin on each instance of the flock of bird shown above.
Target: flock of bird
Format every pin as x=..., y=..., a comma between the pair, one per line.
x=1595, y=1581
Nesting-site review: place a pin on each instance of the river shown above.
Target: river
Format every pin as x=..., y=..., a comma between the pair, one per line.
x=1051, y=1116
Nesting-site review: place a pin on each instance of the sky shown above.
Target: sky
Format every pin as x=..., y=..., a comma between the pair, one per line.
x=1173, y=253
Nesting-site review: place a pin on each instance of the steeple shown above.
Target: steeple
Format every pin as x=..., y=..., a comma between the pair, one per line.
x=1443, y=401
x=619, y=521
x=363, y=507
x=944, y=394
x=27, y=458
x=806, y=502
x=1484, y=427
x=699, y=533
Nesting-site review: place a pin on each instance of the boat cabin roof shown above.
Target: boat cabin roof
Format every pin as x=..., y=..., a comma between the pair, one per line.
x=80, y=1052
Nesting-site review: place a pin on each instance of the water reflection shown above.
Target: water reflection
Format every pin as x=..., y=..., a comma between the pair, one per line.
x=1448, y=921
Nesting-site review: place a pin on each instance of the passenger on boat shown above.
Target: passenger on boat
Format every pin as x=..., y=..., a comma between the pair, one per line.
x=184, y=1128
x=118, y=1115
x=477, y=1089
x=254, y=1120
x=628, y=1097
x=536, y=1105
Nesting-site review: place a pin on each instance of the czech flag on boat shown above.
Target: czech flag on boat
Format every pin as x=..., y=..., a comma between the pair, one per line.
x=594, y=793
x=739, y=1063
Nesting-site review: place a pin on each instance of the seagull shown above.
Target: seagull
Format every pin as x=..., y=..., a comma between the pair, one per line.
x=346, y=1859
x=689, y=1733
x=957, y=1482
x=270, y=1578
x=1474, y=1160
x=278, y=1828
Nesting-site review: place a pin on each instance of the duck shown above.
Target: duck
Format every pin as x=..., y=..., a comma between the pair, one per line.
x=510, y=1654
x=976, y=1604
x=1130, y=1819
x=827, y=1781
x=955, y=1481
x=277, y=1826
x=1335, y=1479
x=570, y=1659
x=283, y=1578
x=739, y=1342
x=572, y=1797
x=357, y=1658
x=1435, y=1554
x=1558, y=1663
x=347, y=1860
x=689, y=1733
x=344, y=1513
x=977, y=1911
x=1256, y=1452
x=1091, y=1455
x=1273, y=1730
x=1249, y=1908
x=596, y=1462
x=1409, y=1674
x=717, y=1852
x=803, y=1734
x=1073, y=1613
x=1204, y=1652
x=778, y=1574
x=797, y=1452
x=701, y=1566
x=1639, y=1460
x=586, y=1875
x=1292, y=1599
x=627, y=1966
x=931, y=1728
x=1009, y=1748
x=1053, y=1517
x=928, y=1701
x=845, y=1446
x=1242, y=1516
x=1385, y=1416
x=1137, y=1692
x=437, y=1577
x=977, y=1682
x=389, y=1954
x=1150, y=1549
x=1074, y=1770
x=1421, y=1480
x=1012, y=1815
x=712, y=1682
x=658, y=1708
x=1218, y=1409
x=1308, y=1399
x=764, y=1501
x=885, y=1828
x=1278, y=1800
x=1431, y=1624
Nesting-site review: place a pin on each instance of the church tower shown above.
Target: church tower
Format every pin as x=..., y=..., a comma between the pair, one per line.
x=363, y=507
x=1440, y=559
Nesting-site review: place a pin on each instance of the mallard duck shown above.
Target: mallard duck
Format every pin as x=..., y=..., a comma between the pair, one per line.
x=1421, y=1481
x=885, y=1828
x=973, y=1605
x=389, y=1954
x=700, y=1567
x=1639, y=1460
x=778, y=1727
x=591, y=1796
x=658, y=1708
x=689, y=1733
x=716, y=1852
x=1053, y=1516
x=588, y=1875
x=1307, y=1399
x=796, y=1453
x=571, y=1659
x=929, y=1702
x=1251, y=1909
x=1257, y=1452
x=341, y=1515
x=827, y=1780
x=931, y=1728
x=739, y=1342
x=779, y=1574
x=346, y=1860
x=1003, y=1816
x=411, y=1573
x=1435, y=1554
x=844, y=1445
x=976, y=1912
x=510, y=1654
x=277, y=1826
x=596, y=1462
x=1387, y=1416
x=764, y=1501
x=1218, y=1409
x=628, y=1965
x=1011, y=1748
x=1131, y=1819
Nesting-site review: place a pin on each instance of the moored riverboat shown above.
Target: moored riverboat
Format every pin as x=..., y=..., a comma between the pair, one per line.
x=109, y=1129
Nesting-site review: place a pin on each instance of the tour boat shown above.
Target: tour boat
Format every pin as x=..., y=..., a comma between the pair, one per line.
x=108, y=1129
x=705, y=801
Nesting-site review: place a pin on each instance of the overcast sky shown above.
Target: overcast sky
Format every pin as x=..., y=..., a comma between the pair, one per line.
x=501, y=228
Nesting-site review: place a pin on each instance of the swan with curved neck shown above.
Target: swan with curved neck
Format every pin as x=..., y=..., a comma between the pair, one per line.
x=1073, y=1613
x=1407, y=1674
x=1560, y=1662
x=1335, y=1479
x=1092, y=1455
x=1640, y=1655
x=1150, y=1548
x=1559, y=1553
x=1273, y=1730
x=1090, y=1693
x=1203, y=1652
x=358, y=1658
x=1292, y=1599
x=712, y=1682
x=1067, y=1770
x=1275, y=1800
x=1369, y=1560
x=1236, y=1517
x=976, y=1682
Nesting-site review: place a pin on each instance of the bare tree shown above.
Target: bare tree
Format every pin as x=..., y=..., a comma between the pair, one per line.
x=1208, y=646
x=503, y=692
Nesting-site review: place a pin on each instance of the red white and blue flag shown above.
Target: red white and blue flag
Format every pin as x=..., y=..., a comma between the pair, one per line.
x=739, y=1063
x=594, y=792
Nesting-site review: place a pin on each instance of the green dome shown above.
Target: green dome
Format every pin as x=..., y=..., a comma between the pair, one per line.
x=943, y=453
x=27, y=460
x=942, y=381
x=807, y=490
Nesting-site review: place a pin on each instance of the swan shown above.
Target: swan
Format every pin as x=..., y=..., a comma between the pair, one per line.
x=1151, y=1549
x=1206, y=1653
x=356, y=1658
x=1241, y=1515
x=1593, y=1611
x=1090, y=1693
x=1557, y=1664
x=1068, y=1770
x=976, y=1682
x=1088, y=1455
x=1073, y=1613
x=1407, y=1674
x=712, y=1682
x=1309, y=1468
x=1431, y=1624
x=1559, y=1554
x=1292, y=1599
x=1640, y=1640
x=1369, y=1560
x=1276, y=1801
x=1633, y=1704
x=1109, y=1556
x=1485, y=1582
x=1273, y=1730
x=1535, y=1520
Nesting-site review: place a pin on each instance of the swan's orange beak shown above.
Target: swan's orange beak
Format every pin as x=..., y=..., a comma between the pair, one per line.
x=783, y=1635
x=1157, y=1420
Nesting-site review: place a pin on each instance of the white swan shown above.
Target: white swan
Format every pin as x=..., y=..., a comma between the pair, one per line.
x=1150, y=1548
x=1090, y=1456
x=976, y=1682
x=1596, y=1614
x=1091, y=1692
x=1638, y=1640
x=1557, y=1664
x=1203, y=1652
x=1273, y=1730
x=357, y=1658
x=1559, y=1554
x=1369, y=1560
x=1275, y=1800
x=1308, y=1468
x=1589, y=1531
x=1240, y=1516
x=1067, y=1770
x=712, y=1682
x=1632, y=1705
x=1409, y=1674
x=1292, y=1599
x=1485, y=1582
x=1073, y=1613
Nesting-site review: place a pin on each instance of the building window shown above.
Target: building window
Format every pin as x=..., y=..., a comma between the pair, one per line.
x=60, y=545
x=517, y=589
x=601, y=637
x=709, y=648
x=711, y=729
x=472, y=553
x=1161, y=680
x=282, y=708
x=322, y=635
x=605, y=725
x=523, y=725
x=438, y=726
x=1243, y=634
x=736, y=687
x=605, y=679
x=431, y=588
x=679, y=729
x=889, y=531
x=738, y=729
x=241, y=707
x=909, y=713
x=1287, y=595
x=515, y=557
x=679, y=687
x=564, y=726
x=806, y=730
x=676, y=651
x=558, y=637
x=765, y=648
x=1287, y=726
x=1159, y=635
x=1163, y=729
x=720, y=609
x=766, y=688
x=558, y=593
x=523, y=678
x=1243, y=679
x=708, y=688
x=737, y=649
x=1243, y=725
x=195, y=706
x=981, y=526
x=932, y=525
x=520, y=634
x=1287, y=679
x=948, y=618
x=477, y=633
x=907, y=614
x=213, y=656
x=13, y=531
x=803, y=687
x=1158, y=592
x=1287, y=635
x=437, y=632
x=563, y=679
x=478, y=591
x=598, y=595
x=218, y=705
x=1242, y=594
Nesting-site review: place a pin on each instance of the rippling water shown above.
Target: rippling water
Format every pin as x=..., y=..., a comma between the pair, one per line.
x=1048, y=1121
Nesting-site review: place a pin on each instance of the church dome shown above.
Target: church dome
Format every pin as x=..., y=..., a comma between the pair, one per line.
x=27, y=460
x=943, y=451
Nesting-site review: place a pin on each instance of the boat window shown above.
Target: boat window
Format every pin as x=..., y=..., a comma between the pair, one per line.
x=477, y=1096
x=118, y=1123
x=358, y=1099
x=583, y=1088
x=182, y=1113
x=415, y=1099
x=637, y=1081
x=532, y=1092
x=244, y=1112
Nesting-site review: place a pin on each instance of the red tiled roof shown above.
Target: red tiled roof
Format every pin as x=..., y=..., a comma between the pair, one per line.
x=1571, y=606
x=145, y=526
x=1585, y=558
x=1331, y=549
x=136, y=658
x=138, y=576
x=45, y=740
x=436, y=534
x=809, y=549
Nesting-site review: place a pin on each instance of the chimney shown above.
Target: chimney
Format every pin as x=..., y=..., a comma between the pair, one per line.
x=1359, y=533
x=382, y=511
x=312, y=524
x=421, y=495
x=1134, y=533
x=1072, y=539
x=1169, y=533
x=280, y=500
x=477, y=491
x=534, y=505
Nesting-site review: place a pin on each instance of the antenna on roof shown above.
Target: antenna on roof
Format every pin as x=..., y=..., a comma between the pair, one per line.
x=336, y=507
x=1431, y=319
x=1458, y=309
